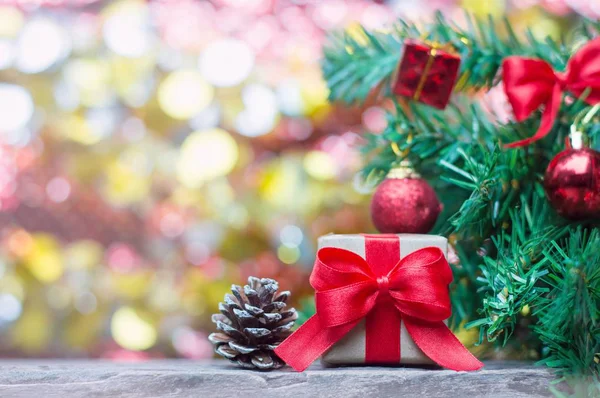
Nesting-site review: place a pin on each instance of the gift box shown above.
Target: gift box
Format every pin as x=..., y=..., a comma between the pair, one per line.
x=380, y=299
x=426, y=73
x=351, y=349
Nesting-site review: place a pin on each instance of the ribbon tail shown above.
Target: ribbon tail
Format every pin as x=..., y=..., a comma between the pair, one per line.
x=440, y=345
x=548, y=118
x=382, y=326
x=309, y=342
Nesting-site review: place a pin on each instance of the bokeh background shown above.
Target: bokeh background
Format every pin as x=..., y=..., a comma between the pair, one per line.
x=153, y=153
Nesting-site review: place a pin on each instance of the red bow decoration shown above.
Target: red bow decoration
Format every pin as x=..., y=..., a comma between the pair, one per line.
x=347, y=290
x=530, y=83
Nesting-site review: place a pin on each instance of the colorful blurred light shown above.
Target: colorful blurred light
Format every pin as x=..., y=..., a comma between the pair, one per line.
x=330, y=14
x=58, y=189
x=299, y=128
x=13, y=285
x=172, y=225
x=210, y=117
x=191, y=344
x=33, y=330
x=197, y=252
x=545, y=27
x=260, y=114
x=183, y=94
x=41, y=45
x=126, y=182
x=10, y=308
x=91, y=77
x=11, y=21
x=282, y=185
x=126, y=356
x=287, y=254
x=377, y=16
x=7, y=53
x=133, y=129
x=289, y=98
x=122, y=258
x=86, y=303
x=206, y=155
x=589, y=8
x=291, y=236
x=18, y=138
x=207, y=232
x=131, y=331
x=314, y=95
x=127, y=30
x=79, y=129
x=133, y=285
x=226, y=62
x=44, y=259
x=58, y=298
x=83, y=254
x=17, y=107
x=134, y=81
x=66, y=95
x=485, y=8
x=19, y=242
x=374, y=119
x=165, y=295
x=320, y=165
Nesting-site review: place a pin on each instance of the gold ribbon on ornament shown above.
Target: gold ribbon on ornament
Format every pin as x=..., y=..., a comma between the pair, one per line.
x=435, y=47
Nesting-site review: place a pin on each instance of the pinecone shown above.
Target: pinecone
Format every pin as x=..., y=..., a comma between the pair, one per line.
x=253, y=322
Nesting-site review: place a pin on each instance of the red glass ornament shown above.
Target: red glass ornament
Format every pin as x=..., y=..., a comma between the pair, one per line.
x=404, y=205
x=572, y=183
x=426, y=73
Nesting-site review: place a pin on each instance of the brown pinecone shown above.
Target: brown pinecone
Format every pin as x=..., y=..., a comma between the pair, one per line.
x=252, y=323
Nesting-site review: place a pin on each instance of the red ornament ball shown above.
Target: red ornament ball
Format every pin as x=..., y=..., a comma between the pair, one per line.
x=572, y=183
x=405, y=205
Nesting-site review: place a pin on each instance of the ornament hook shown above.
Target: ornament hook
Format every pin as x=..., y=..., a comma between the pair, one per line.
x=577, y=138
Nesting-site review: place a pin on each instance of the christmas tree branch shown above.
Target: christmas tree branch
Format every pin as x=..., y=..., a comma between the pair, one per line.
x=358, y=62
x=355, y=62
x=569, y=316
x=517, y=260
x=512, y=278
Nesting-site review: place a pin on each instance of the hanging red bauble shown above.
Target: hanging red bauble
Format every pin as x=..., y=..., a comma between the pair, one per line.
x=404, y=203
x=572, y=183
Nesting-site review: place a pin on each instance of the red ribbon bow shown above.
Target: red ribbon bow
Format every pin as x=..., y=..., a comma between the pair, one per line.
x=347, y=290
x=530, y=83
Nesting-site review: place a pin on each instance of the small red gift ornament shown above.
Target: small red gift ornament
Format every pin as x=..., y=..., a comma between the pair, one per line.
x=426, y=73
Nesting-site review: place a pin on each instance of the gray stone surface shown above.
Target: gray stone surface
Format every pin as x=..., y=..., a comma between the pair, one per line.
x=179, y=378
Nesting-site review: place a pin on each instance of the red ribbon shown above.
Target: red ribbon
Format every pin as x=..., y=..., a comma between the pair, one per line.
x=530, y=83
x=386, y=291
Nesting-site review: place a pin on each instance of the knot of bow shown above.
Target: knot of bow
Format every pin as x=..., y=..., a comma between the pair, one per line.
x=347, y=290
